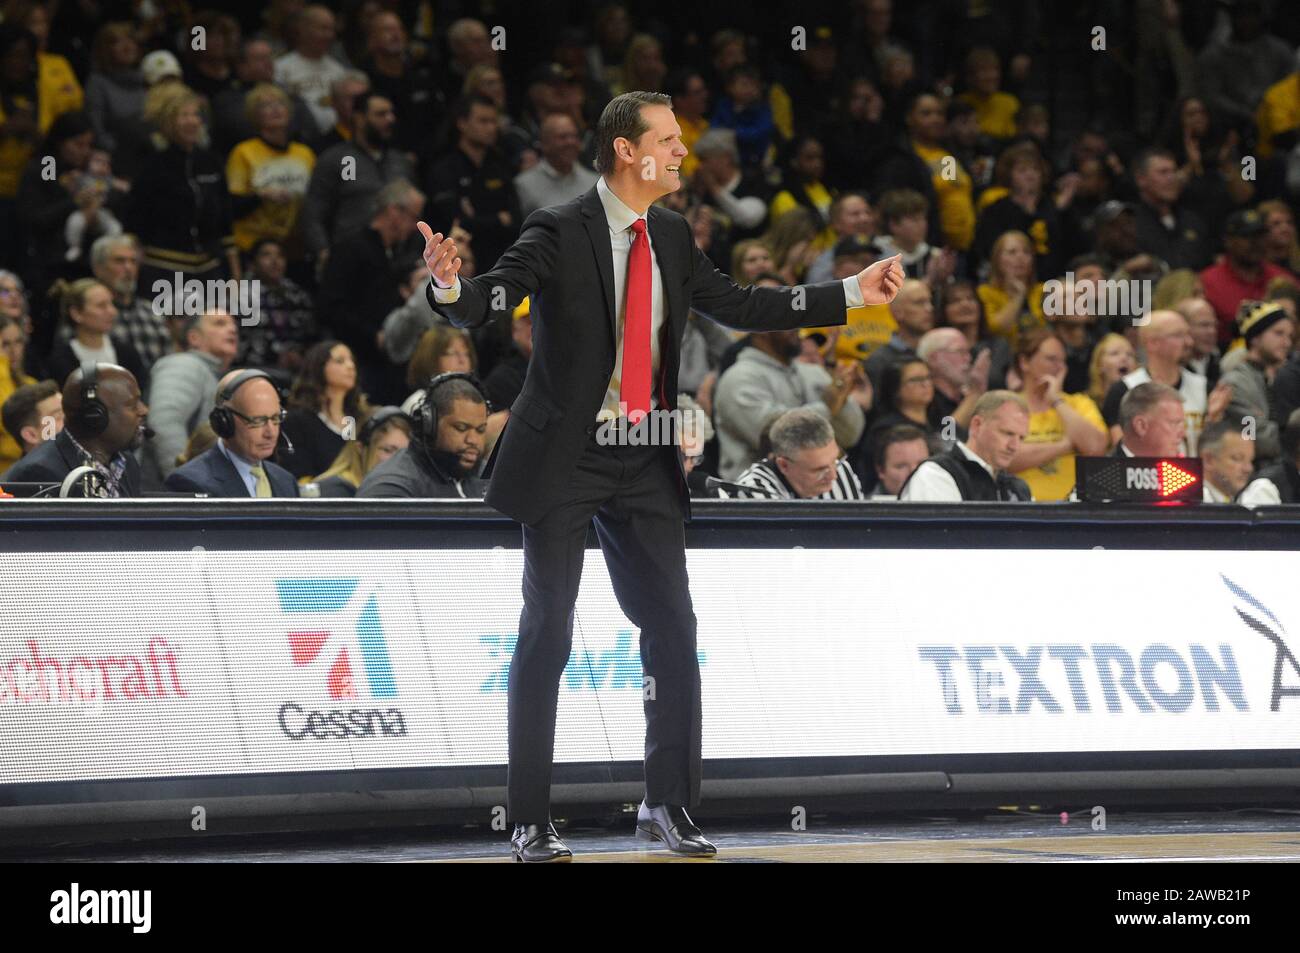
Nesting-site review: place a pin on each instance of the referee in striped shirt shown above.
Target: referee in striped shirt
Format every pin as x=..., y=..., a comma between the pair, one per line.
x=805, y=463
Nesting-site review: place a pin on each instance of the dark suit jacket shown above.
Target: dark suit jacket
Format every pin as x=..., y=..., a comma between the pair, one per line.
x=564, y=260
x=211, y=473
x=55, y=459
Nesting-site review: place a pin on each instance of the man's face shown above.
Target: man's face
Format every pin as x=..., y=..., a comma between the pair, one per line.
x=120, y=270
x=913, y=308
x=49, y=421
x=926, y=120
x=480, y=127
x=811, y=471
x=560, y=142
x=900, y=460
x=379, y=120
x=1119, y=236
x=853, y=217
x=1281, y=228
x=317, y=32
x=126, y=412
x=258, y=64
x=1274, y=345
x=1158, y=183
x=258, y=431
x=657, y=155
x=217, y=334
x=951, y=360
x=387, y=35
x=269, y=264
x=997, y=437
x=1245, y=250
x=1169, y=337
x=1230, y=465
x=786, y=343
x=1160, y=432
x=462, y=432
x=1203, y=325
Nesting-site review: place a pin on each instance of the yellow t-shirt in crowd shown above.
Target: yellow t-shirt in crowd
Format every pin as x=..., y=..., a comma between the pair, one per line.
x=996, y=113
x=1054, y=479
x=995, y=299
x=57, y=92
x=955, y=195
x=1278, y=112
x=692, y=129
x=254, y=165
x=821, y=197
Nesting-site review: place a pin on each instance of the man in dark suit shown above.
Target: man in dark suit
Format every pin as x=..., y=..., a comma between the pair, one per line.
x=611, y=282
x=104, y=420
x=247, y=421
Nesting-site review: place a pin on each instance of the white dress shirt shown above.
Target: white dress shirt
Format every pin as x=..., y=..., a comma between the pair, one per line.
x=931, y=483
x=620, y=218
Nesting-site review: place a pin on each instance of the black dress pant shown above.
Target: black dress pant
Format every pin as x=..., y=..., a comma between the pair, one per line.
x=631, y=492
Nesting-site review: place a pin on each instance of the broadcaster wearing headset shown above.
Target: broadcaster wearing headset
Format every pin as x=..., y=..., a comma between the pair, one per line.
x=104, y=420
x=246, y=420
x=446, y=450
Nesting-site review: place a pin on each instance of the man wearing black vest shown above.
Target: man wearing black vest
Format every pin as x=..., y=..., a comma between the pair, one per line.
x=976, y=470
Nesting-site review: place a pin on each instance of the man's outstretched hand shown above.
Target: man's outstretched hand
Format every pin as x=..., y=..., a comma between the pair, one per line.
x=879, y=282
x=440, y=256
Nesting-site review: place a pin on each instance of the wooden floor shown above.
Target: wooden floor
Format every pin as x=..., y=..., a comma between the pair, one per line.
x=1157, y=848
x=1247, y=835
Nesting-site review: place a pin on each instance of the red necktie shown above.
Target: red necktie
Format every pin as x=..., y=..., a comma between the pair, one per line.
x=634, y=390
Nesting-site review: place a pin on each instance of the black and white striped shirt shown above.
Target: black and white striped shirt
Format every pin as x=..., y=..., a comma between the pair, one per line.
x=765, y=476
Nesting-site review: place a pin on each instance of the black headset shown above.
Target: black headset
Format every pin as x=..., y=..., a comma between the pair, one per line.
x=377, y=419
x=426, y=411
x=92, y=416
x=222, y=418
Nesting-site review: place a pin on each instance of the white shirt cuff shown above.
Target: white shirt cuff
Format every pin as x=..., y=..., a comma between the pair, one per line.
x=852, y=293
x=446, y=295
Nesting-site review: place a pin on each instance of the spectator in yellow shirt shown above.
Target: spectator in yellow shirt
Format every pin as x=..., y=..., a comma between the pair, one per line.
x=995, y=110
x=691, y=108
x=1013, y=303
x=1278, y=115
x=268, y=175
x=804, y=188
x=1060, y=425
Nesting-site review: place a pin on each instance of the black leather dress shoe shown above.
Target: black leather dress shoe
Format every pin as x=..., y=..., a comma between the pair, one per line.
x=672, y=826
x=538, y=844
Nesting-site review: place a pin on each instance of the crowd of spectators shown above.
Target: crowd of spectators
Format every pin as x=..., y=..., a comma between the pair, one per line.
x=1060, y=255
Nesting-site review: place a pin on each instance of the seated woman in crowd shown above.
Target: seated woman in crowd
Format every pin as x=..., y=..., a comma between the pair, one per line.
x=387, y=431
x=1060, y=425
x=13, y=343
x=326, y=409
x=749, y=259
x=804, y=189
x=86, y=308
x=1013, y=301
x=960, y=308
x=1112, y=358
x=906, y=392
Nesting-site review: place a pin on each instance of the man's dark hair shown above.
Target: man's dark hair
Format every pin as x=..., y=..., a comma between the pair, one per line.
x=19, y=410
x=465, y=105
x=445, y=396
x=621, y=119
x=1087, y=260
x=903, y=433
